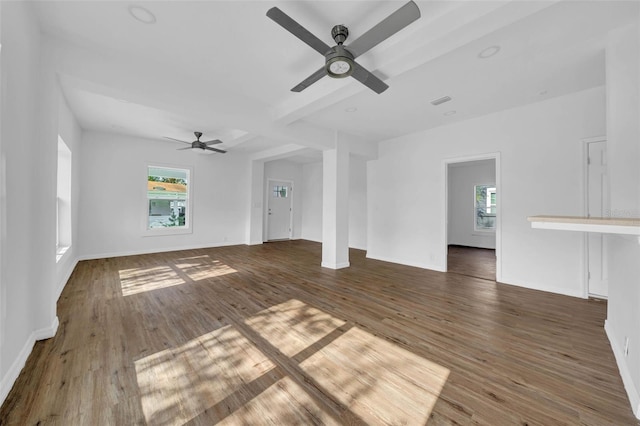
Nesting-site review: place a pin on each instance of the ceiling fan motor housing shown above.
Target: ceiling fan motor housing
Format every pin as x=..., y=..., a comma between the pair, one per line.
x=339, y=33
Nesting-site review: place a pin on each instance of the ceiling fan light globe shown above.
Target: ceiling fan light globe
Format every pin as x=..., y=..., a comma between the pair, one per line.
x=339, y=67
x=339, y=62
x=203, y=151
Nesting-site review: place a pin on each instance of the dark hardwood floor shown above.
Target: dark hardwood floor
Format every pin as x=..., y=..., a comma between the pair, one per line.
x=263, y=335
x=475, y=262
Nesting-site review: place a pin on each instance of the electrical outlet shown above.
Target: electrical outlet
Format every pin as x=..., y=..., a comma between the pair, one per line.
x=626, y=346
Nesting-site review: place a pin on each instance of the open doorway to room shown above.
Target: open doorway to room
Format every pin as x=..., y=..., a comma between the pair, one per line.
x=473, y=221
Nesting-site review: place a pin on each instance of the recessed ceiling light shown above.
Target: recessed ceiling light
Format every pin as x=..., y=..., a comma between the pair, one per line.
x=489, y=52
x=448, y=113
x=141, y=14
x=351, y=109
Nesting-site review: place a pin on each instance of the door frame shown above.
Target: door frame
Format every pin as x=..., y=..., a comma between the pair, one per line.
x=266, y=208
x=445, y=206
x=585, y=209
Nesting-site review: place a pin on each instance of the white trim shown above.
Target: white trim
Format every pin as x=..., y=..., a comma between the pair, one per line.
x=18, y=364
x=14, y=371
x=48, y=332
x=629, y=386
x=63, y=283
x=549, y=289
x=268, y=198
x=445, y=206
x=157, y=250
x=358, y=247
x=585, y=209
x=422, y=265
x=335, y=265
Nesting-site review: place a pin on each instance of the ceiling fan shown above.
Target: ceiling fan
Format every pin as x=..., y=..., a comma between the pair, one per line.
x=198, y=144
x=340, y=59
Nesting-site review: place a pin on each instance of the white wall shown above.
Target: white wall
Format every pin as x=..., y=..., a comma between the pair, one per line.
x=623, y=151
x=113, y=196
x=20, y=62
x=357, y=203
x=312, y=202
x=461, y=197
x=29, y=277
x=71, y=133
x=541, y=153
x=287, y=171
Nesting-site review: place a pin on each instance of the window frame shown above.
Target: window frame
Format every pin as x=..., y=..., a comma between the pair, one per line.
x=64, y=177
x=175, y=230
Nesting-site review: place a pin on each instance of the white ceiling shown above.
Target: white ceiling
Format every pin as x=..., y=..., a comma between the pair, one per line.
x=224, y=68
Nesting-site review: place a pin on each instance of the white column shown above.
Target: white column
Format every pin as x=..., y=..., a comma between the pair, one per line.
x=335, y=207
x=255, y=225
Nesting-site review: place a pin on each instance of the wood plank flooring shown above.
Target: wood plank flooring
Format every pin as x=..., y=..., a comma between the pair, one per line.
x=263, y=335
x=475, y=262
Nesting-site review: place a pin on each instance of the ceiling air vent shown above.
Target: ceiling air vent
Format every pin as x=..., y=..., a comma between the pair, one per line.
x=440, y=100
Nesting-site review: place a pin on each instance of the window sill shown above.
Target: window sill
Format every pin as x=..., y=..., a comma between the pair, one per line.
x=157, y=232
x=60, y=251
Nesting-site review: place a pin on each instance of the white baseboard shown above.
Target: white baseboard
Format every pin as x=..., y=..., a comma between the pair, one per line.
x=156, y=250
x=18, y=364
x=65, y=278
x=549, y=289
x=335, y=265
x=629, y=386
x=423, y=265
x=47, y=332
x=14, y=371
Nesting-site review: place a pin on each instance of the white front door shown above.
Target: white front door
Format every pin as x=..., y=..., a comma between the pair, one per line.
x=596, y=198
x=279, y=210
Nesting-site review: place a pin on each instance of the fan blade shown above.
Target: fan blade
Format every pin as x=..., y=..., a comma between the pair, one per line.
x=310, y=80
x=177, y=140
x=365, y=77
x=286, y=22
x=182, y=149
x=385, y=29
x=221, y=151
x=212, y=142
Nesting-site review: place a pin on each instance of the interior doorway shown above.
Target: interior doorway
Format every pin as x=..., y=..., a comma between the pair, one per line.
x=472, y=214
x=279, y=209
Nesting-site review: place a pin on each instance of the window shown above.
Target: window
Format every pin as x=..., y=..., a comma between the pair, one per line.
x=280, y=191
x=485, y=207
x=63, y=201
x=168, y=198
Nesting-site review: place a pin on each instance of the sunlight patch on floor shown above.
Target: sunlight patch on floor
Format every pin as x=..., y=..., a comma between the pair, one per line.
x=178, y=384
x=292, y=326
x=377, y=380
x=222, y=376
x=283, y=403
x=140, y=280
x=202, y=267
